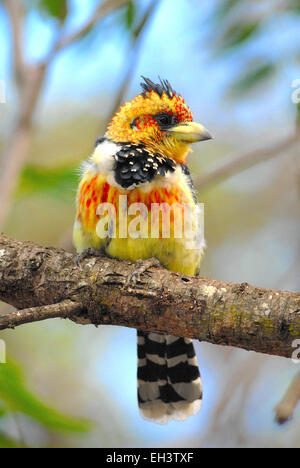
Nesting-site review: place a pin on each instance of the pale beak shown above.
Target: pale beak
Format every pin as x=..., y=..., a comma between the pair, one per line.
x=190, y=132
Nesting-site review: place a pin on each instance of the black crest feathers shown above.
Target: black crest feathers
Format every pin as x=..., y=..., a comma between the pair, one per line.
x=159, y=88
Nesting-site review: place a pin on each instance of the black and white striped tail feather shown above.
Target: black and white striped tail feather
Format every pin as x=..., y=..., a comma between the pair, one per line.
x=169, y=384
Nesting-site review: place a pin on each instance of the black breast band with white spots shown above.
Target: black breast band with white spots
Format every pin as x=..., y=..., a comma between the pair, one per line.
x=136, y=165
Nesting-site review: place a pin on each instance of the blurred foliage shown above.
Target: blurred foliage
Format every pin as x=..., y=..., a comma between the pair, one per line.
x=259, y=72
x=298, y=114
x=16, y=399
x=241, y=24
x=61, y=10
x=59, y=182
x=130, y=14
x=238, y=33
x=57, y=9
x=8, y=442
x=295, y=5
x=133, y=17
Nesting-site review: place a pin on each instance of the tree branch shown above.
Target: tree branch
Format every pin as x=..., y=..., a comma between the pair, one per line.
x=285, y=408
x=64, y=309
x=30, y=79
x=15, y=12
x=238, y=163
x=97, y=292
x=100, y=12
x=18, y=145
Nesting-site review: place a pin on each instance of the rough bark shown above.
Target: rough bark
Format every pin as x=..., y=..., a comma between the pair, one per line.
x=98, y=292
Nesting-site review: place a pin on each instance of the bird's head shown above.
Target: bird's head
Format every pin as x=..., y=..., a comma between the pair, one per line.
x=158, y=118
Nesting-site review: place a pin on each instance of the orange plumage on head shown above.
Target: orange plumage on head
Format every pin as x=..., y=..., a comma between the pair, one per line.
x=136, y=121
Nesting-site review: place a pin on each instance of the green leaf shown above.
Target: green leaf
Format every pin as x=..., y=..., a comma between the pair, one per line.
x=17, y=398
x=130, y=14
x=224, y=8
x=8, y=442
x=59, y=182
x=254, y=77
x=239, y=33
x=295, y=6
x=126, y=17
x=56, y=8
x=2, y=411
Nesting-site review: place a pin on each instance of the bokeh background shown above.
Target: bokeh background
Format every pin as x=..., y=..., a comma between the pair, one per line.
x=235, y=62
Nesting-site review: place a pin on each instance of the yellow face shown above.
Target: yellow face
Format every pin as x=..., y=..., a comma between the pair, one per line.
x=159, y=119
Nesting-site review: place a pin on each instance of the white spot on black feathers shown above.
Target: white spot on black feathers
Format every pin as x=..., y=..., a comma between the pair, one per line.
x=133, y=166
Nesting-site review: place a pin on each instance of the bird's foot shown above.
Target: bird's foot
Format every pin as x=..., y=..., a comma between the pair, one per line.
x=86, y=253
x=140, y=267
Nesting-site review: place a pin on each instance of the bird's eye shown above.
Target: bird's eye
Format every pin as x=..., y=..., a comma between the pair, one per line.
x=165, y=120
x=133, y=124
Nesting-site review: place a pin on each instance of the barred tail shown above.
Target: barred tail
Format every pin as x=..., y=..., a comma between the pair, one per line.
x=169, y=385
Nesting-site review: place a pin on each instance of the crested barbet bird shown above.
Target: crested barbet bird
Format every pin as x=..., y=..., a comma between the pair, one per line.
x=143, y=157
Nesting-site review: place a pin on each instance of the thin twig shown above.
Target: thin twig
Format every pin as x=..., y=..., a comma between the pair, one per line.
x=285, y=408
x=100, y=12
x=64, y=309
x=15, y=11
x=240, y=162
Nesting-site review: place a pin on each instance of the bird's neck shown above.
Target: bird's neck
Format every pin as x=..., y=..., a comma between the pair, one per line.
x=176, y=150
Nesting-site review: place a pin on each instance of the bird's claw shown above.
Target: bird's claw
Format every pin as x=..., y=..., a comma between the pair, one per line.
x=140, y=267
